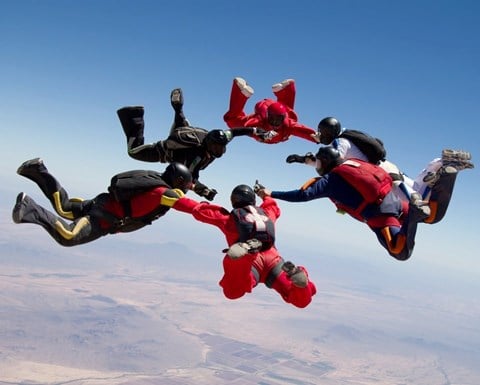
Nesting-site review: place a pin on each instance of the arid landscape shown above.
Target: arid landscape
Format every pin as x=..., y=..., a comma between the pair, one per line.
x=95, y=315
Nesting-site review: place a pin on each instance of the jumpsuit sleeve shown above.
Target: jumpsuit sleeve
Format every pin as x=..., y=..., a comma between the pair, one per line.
x=203, y=211
x=269, y=205
x=302, y=131
x=318, y=189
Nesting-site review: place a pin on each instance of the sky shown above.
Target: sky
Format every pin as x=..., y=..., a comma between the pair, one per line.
x=407, y=72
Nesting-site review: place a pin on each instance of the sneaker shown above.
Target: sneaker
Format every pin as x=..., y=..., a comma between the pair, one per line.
x=280, y=86
x=32, y=166
x=244, y=87
x=19, y=208
x=239, y=249
x=176, y=98
x=297, y=275
x=459, y=165
x=455, y=155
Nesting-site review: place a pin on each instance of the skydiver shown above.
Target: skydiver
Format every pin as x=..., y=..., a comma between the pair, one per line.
x=278, y=117
x=252, y=257
x=359, y=145
x=107, y=213
x=366, y=195
x=192, y=146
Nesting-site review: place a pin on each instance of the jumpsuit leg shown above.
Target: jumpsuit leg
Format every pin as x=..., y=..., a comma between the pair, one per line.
x=36, y=171
x=133, y=125
x=295, y=295
x=431, y=169
x=399, y=240
x=238, y=278
x=285, y=92
x=66, y=234
x=441, y=195
x=235, y=116
x=179, y=119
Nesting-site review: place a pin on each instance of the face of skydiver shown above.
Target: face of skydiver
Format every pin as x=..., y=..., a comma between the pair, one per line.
x=216, y=149
x=216, y=143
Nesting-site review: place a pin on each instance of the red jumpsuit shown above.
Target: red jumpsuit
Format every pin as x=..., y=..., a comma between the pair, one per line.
x=236, y=117
x=243, y=274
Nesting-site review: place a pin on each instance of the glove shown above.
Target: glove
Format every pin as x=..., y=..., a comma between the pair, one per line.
x=257, y=187
x=204, y=191
x=209, y=194
x=264, y=135
x=259, y=131
x=294, y=158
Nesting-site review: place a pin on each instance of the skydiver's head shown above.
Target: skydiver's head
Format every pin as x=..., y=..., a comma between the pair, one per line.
x=328, y=157
x=276, y=114
x=216, y=143
x=242, y=196
x=177, y=175
x=328, y=129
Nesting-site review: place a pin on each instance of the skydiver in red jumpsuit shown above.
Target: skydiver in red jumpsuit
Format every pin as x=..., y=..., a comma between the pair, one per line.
x=278, y=117
x=260, y=262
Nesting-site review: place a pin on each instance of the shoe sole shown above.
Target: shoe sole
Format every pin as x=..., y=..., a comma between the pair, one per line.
x=244, y=87
x=454, y=155
x=176, y=97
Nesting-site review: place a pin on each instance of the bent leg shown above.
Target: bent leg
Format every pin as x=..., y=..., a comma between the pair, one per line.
x=441, y=194
x=240, y=93
x=80, y=231
x=176, y=100
x=293, y=294
x=400, y=240
x=238, y=278
x=36, y=171
x=285, y=92
x=421, y=182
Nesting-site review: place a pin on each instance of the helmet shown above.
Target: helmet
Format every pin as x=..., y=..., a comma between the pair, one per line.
x=328, y=157
x=178, y=175
x=329, y=129
x=242, y=196
x=216, y=142
x=276, y=113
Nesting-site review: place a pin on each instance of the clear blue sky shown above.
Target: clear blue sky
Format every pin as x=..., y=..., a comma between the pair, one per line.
x=407, y=72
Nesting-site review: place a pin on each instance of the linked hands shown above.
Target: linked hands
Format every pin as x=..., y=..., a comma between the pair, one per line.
x=203, y=191
x=261, y=190
x=307, y=158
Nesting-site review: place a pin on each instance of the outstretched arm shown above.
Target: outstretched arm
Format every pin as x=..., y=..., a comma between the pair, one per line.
x=303, y=132
x=242, y=131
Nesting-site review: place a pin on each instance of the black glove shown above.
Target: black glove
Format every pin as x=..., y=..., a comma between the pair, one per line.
x=257, y=187
x=209, y=194
x=260, y=132
x=204, y=191
x=294, y=158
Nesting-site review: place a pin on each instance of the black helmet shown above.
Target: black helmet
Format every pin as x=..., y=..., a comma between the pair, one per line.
x=216, y=142
x=177, y=175
x=242, y=196
x=329, y=129
x=328, y=158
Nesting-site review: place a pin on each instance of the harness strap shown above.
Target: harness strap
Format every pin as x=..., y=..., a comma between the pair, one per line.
x=274, y=273
x=256, y=274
